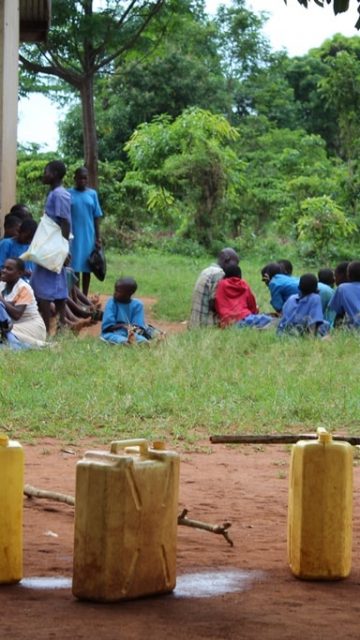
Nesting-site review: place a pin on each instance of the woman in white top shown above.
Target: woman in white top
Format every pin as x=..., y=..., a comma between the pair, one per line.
x=18, y=300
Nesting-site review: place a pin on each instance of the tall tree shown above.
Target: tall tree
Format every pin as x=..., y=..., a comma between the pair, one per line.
x=183, y=70
x=83, y=44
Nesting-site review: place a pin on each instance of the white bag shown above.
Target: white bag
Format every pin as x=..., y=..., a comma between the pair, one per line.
x=48, y=248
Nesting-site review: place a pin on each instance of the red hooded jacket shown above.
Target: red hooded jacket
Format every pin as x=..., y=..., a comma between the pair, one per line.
x=234, y=300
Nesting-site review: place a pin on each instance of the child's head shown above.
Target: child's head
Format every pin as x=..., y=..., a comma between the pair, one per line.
x=269, y=271
x=353, y=271
x=26, y=231
x=21, y=211
x=232, y=271
x=341, y=273
x=308, y=283
x=54, y=172
x=326, y=276
x=11, y=225
x=124, y=289
x=13, y=269
x=286, y=266
x=81, y=178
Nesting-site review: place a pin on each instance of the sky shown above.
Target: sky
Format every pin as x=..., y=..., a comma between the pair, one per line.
x=290, y=27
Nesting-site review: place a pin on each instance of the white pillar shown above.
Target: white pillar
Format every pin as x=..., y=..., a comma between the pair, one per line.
x=9, y=55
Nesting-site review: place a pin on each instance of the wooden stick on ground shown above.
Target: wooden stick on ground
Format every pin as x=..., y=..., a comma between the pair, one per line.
x=278, y=438
x=222, y=529
x=31, y=492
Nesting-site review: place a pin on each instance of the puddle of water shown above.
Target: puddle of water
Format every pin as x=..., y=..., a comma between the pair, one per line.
x=207, y=584
x=46, y=582
x=210, y=584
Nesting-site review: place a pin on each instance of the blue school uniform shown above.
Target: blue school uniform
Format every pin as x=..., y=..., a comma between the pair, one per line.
x=11, y=248
x=281, y=288
x=129, y=313
x=346, y=301
x=302, y=312
x=326, y=294
x=48, y=285
x=85, y=208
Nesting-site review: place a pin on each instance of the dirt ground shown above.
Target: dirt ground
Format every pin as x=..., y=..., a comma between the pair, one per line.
x=245, y=591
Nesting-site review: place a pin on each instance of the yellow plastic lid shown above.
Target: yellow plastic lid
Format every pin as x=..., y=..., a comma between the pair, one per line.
x=4, y=440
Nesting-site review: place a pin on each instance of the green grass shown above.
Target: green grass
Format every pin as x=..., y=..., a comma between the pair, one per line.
x=191, y=386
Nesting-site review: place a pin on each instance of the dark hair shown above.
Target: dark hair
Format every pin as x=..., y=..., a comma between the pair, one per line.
x=232, y=271
x=128, y=283
x=286, y=266
x=19, y=263
x=11, y=221
x=270, y=270
x=57, y=167
x=18, y=210
x=80, y=170
x=341, y=272
x=353, y=271
x=308, y=283
x=326, y=276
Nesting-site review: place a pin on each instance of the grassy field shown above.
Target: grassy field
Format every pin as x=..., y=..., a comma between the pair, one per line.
x=190, y=386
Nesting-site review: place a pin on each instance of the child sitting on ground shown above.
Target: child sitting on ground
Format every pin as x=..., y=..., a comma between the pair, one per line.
x=346, y=299
x=235, y=303
x=302, y=312
x=123, y=321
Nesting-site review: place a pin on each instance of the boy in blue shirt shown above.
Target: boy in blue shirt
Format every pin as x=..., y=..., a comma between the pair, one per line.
x=302, y=312
x=281, y=285
x=123, y=320
x=346, y=300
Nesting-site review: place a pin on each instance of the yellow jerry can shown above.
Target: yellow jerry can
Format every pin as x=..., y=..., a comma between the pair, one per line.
x=126, y=509
x=11, y=510
x=320, y=508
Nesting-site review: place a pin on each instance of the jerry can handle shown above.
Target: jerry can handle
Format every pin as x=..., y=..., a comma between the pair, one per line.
x=142, y=443
x=323, y=435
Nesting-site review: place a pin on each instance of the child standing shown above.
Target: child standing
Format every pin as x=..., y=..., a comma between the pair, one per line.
x=235, y=303
x=124, y=315
x=50, y=286
x=302, y=312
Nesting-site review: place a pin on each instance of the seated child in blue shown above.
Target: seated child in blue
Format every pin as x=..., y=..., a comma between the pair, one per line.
x=16, y=246
x=302, y=312
x=123, y=316
x=346, y=299
x=281, y=285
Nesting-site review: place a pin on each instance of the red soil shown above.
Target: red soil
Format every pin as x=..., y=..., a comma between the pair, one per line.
x=246, y=485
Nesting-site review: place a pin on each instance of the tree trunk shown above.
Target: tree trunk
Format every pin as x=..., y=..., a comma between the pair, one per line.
x=89, y=130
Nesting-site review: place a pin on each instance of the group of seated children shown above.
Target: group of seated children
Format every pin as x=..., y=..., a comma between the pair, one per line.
x=18, y=307
x=305, y=305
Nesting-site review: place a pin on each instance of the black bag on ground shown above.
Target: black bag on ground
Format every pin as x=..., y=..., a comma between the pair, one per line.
x=97, y=263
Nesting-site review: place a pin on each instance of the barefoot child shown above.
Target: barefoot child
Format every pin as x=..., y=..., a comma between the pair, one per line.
x=124, y=315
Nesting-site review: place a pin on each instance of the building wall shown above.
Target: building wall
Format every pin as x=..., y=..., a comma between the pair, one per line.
x=9, y=51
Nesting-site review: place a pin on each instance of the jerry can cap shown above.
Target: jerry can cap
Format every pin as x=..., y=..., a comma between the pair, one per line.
x=4, y=440
x=323, y=435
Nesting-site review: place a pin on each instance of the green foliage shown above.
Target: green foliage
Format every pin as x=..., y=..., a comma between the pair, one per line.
x=321, y=227
x=190, y=168
x=30, y=189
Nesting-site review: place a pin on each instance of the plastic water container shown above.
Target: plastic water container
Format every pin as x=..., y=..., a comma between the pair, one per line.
x=320, y=508
x=126, y=509
x=11, y=510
